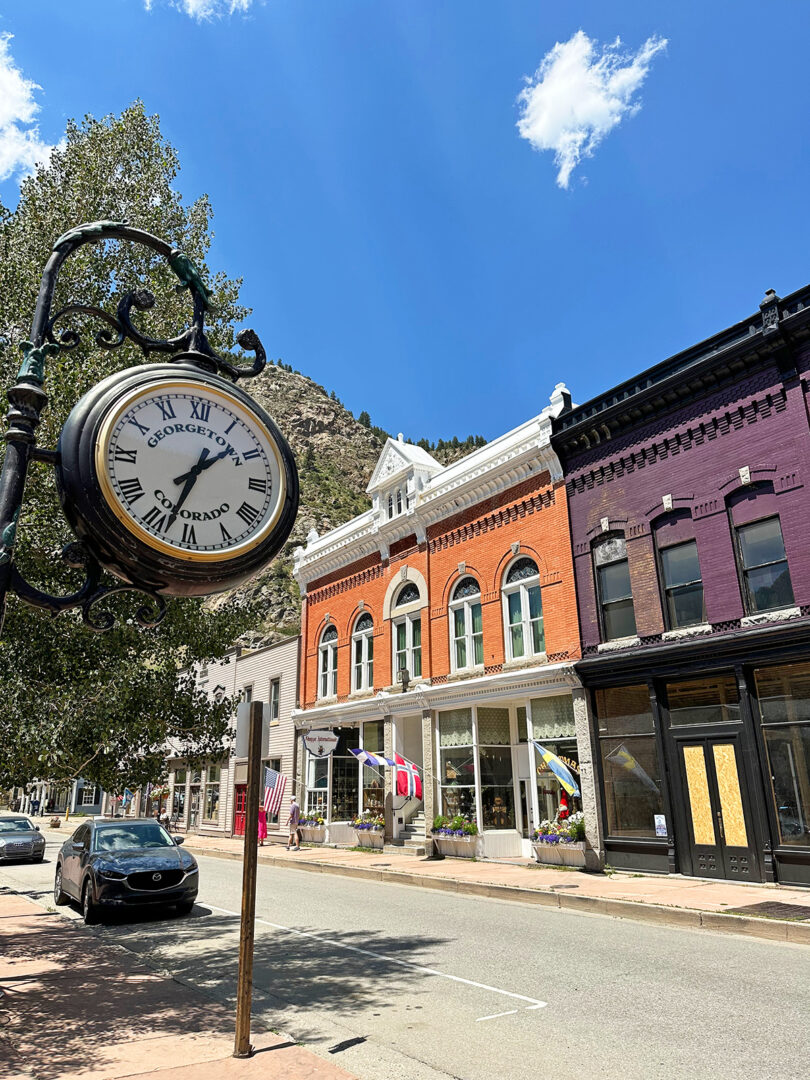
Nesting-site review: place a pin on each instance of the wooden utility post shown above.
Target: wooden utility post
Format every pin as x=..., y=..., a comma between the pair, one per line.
x=244, y=985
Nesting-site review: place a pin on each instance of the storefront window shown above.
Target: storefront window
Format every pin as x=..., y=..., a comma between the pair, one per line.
x=714, y=700
x=497, y=788
x=179, y=794
x=783, y=695
x=345, y=776
x=457, y=763
x=553, y=717
x=212, y=794
x=549, y=789
x=630, y=762
x=194, y=799
x=373, y=778
x=317, y=784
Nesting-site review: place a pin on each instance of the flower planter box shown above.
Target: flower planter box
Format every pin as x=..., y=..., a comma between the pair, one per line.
x=561, y=854
x=370, y=837
x=458, y=847
x=313, y=834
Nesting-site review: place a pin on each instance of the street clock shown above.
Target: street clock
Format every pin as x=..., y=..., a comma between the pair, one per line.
x=176, y=479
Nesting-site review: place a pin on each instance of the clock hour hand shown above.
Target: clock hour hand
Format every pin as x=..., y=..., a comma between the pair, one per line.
x=191, y=479
x=200, y=466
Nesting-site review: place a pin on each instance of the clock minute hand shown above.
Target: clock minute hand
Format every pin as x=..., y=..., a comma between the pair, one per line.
x=191, y=480
x=201, y=466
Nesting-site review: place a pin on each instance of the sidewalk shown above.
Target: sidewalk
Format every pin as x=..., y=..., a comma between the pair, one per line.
x=74, y=1008
x=780, y=912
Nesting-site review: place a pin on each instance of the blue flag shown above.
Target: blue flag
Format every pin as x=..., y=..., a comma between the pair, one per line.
x=560, y=770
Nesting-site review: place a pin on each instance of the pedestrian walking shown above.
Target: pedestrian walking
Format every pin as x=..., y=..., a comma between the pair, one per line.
x=294, y=841
x=262, y=826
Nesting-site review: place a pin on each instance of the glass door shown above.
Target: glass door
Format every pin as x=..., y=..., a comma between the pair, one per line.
x=717, y=812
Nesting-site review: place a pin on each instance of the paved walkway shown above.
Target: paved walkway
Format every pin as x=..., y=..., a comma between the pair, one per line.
x=74, y=1008
x=676, y=900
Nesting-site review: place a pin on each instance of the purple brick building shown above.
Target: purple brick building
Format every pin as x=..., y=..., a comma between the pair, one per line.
x=688, y=500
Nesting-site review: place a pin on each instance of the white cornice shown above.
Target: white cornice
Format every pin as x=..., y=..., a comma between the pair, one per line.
x=506, y=461
x=546, y=680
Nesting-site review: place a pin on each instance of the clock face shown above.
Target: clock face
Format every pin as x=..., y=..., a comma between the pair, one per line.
x=190, y=470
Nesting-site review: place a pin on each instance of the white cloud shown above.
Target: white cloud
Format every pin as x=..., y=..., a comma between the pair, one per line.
x=20, y=145
x=579, y=94
x=202, y=10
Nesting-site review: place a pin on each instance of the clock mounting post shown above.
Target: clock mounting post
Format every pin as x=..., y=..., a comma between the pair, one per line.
x=189, y=424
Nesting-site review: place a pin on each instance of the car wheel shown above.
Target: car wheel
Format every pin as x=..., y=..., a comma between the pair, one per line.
x=89, y=909
x=185, y=907
x=59, y=895
x=38, y=858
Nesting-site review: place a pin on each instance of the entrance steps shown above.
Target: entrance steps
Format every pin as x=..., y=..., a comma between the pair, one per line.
x=412, y=839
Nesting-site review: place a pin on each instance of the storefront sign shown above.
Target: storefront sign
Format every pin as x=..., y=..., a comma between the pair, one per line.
x=572, y=765
x=660, y=825
x=320, y=743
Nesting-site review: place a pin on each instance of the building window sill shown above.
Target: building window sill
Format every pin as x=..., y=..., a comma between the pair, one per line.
x=358, y=695
x=763, y=617
x=325, y=701
x=466, y=673
x=525, y=662
x=687, y=631
x=619, y=643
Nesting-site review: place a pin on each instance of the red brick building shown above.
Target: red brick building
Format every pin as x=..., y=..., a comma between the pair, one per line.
x=461, y=578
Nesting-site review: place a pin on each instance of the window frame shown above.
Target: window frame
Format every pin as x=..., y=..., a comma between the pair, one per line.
x=327, y=676
x=521, y=587
x=365, y=639
x=274, y=699
x=408, y=622
x=665, y=590
x=743, y=570
x=465, y=604
x=600, y=604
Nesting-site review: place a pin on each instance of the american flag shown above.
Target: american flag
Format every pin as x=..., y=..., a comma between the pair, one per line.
x=274, y=787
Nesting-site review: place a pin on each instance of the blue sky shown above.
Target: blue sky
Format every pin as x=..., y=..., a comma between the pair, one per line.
x=400, y=241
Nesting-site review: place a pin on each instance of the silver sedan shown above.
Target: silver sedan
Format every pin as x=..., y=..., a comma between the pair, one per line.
x=20, y=839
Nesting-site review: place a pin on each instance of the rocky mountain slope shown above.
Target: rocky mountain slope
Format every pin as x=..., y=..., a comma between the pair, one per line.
x=336, y=455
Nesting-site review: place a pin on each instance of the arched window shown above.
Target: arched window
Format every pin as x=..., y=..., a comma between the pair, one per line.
x=327, y=684
x=465, y=625
x=390, y=506
x=399, y=500
x=523, y=610
x=407, y=630
x=363, y=653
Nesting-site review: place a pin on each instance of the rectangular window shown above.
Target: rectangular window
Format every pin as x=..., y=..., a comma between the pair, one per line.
x=683, y=586
x=460, y=637
x=477, y=633
x=416, y=647
x=713, y=700
x=613, y=587
x=497, y=789
x=89, y=795
x=401, y=645
x=516, y=623
x=630, y=762
x=783, y=696
x=247, y=693
x=408, y=645
x=553, y=717
x=766, y=577
x=275, y=697
x=457, y=763
x=211, y=805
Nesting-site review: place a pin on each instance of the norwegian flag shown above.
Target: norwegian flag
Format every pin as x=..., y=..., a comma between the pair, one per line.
x=409, y=782
x=274, y=787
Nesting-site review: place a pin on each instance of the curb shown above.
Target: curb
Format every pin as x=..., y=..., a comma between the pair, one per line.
x=691, y=918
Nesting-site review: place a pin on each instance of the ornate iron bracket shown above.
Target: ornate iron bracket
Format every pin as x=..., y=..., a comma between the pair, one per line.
x=28, y=400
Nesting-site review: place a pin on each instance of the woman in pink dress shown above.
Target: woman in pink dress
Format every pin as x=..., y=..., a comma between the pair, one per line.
x=262, y=826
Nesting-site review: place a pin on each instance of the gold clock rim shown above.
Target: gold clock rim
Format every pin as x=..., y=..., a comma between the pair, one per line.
x=137, y=530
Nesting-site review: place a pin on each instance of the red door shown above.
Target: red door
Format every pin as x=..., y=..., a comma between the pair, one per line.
x=240, y=794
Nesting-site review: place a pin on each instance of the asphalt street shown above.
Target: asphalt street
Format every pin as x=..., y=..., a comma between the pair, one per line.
x=401, y=983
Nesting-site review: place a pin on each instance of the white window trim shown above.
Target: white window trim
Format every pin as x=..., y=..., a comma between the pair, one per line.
x=365, y=637
x=522, y=587
x=465, y=603
x=274, y=682
x=408, y=621
x=330, y=648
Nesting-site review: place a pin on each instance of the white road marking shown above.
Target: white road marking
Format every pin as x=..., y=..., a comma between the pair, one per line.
x=494, y=1016
x=533, y=1003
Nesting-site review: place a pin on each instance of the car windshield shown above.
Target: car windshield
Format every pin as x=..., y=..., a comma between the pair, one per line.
x=134, y=837
x=22, y=824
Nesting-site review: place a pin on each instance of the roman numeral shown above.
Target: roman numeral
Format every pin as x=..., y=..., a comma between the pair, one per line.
x=131, y=489
x=251, y=454
x=166, y=408
x=189, y=536
x=155, y=519
x=200, y=410
x=257, y=483
x=125, y=455
x=143, y=430
x=247, y=513
x=228, y=428
x=225, y=534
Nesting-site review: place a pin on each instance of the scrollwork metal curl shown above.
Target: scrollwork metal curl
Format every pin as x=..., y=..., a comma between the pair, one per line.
x=110, y=336
x=104, y=620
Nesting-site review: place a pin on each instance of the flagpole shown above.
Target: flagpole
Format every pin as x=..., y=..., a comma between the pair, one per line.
x=244, y=985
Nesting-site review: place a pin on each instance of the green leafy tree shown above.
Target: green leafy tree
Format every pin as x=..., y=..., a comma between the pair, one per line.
x=106, y=706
